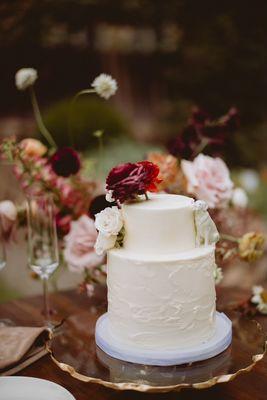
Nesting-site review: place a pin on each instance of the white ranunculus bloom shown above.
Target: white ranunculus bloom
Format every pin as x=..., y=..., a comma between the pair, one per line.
x=105, y=86
x=109, y=221
x=239, y=198
x=25, y=77
x=104, y=243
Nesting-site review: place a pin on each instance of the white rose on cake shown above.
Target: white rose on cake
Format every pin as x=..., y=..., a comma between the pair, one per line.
x=109, y=221
x=104, y=243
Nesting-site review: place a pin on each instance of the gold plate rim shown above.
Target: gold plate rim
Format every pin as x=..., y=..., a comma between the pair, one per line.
x=138, y=387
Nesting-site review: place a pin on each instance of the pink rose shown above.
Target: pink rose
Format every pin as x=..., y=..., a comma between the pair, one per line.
x=208, y=179
x=33, y=147
x=79, y=250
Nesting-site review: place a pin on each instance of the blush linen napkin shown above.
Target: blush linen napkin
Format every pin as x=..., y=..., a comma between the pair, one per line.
x=20, y=347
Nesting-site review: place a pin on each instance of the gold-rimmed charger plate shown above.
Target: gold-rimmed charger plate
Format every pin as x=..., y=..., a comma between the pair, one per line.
x=74, y=351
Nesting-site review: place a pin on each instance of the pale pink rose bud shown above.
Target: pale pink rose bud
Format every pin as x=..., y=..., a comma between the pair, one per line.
x=33, y=147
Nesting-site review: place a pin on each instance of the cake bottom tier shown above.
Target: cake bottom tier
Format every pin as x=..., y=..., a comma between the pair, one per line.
x=161, y=303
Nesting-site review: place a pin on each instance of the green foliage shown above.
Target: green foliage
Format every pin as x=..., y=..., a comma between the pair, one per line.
x=87, y=116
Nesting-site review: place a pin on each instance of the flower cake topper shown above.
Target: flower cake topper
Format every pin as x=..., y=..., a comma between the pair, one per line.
x=127, y=181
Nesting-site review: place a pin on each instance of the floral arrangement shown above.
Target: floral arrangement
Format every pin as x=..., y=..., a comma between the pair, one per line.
x=185, y=169
x=191, y=165
x=46, y=169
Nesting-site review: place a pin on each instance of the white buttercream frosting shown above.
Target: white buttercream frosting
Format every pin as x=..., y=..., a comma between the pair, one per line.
x=161, y=302
x=161, y=289
x=163, y=224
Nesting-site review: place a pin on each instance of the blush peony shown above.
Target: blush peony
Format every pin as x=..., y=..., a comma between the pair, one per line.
x=126, y=181
x=79, y=249
x=208, y=179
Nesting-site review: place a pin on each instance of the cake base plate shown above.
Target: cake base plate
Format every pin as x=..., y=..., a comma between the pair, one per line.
x=216, y=345
x=73, y=350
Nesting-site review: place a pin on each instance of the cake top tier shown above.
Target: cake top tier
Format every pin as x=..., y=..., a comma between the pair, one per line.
x=161, y=201
x=163, y=224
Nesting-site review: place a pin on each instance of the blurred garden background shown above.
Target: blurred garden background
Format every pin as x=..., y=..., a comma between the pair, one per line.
x=167, y=57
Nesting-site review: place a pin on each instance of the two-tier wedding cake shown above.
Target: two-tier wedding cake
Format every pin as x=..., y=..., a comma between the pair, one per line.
x=161, y=289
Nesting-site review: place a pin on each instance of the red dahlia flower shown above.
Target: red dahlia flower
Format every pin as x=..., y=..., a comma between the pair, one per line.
x=65, y=162
x=126, y=181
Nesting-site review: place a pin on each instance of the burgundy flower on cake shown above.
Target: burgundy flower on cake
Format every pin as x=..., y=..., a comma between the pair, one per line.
x=126, y=181
x=65, y=162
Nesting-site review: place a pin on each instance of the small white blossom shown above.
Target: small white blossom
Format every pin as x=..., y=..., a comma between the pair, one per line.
x=256, y=294
x=109, y=197
x=249, y=179
x=25, y=77
x=109, y=221
x=104, y=243
x=218, y=275
x=239, y=198
x=262, y=307
x=105, y=86
x=258, y=299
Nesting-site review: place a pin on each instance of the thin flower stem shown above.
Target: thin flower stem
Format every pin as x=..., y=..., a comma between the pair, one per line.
x=201, y=147
x=39, y=119
x=101, y=157
x=231, y=238
x=146, y=196
x=73, y=101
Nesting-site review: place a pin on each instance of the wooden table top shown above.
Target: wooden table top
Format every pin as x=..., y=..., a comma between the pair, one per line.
x=249, y=386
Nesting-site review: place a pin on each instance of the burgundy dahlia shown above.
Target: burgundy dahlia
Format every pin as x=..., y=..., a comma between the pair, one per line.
x=126, y=181
x=65, y=162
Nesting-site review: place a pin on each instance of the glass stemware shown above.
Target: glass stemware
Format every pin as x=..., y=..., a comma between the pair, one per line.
x=43, y=256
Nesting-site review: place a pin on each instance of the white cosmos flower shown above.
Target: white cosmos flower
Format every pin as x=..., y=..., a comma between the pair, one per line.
x=104, y=243
x=239, y=198
x=25, y=77
x=109, y=221
x=105, y=86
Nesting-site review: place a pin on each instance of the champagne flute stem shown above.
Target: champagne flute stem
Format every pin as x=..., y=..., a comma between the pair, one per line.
x=46, y=300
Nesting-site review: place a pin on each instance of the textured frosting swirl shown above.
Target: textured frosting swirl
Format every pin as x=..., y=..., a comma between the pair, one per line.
x=161, y=303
